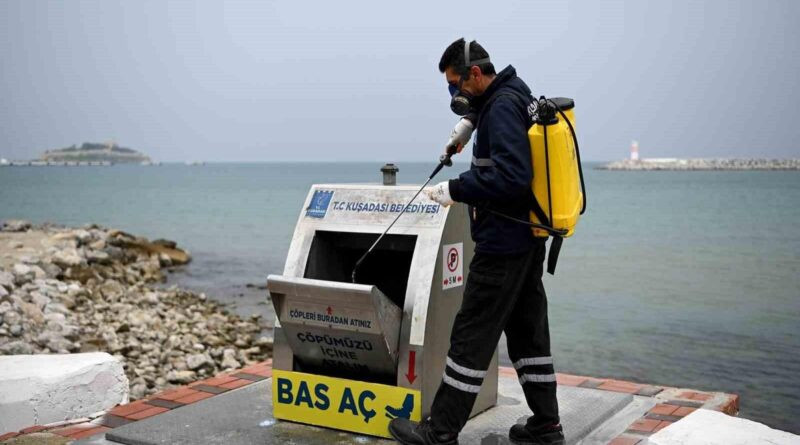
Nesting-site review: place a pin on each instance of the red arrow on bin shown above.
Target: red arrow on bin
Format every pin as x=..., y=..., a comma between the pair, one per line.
x=412, y=356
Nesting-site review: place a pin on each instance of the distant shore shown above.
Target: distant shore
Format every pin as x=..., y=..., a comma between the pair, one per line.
x=702, y=164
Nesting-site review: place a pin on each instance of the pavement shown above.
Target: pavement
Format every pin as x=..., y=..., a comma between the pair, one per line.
x=236, y=408
x=222, y=419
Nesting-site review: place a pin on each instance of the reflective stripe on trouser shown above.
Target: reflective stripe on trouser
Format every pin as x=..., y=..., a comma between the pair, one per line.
x=502, y=293
x=539, y=370
x=463, y=378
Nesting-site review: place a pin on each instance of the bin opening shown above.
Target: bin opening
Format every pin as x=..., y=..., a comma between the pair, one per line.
x=334, y=254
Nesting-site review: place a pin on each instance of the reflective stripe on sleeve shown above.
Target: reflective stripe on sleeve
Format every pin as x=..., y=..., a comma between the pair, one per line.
x=483, y=162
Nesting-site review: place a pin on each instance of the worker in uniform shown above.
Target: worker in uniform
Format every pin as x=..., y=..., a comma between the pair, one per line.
x=504, y=290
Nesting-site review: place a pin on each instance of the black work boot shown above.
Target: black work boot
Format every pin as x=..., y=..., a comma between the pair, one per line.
x=413, y=433
x=546, y=434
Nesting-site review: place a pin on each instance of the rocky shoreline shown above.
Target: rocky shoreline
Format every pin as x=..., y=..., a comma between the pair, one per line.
x=703, y=164
x=66, y=290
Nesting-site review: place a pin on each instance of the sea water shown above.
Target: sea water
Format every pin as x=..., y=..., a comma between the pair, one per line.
x=688, y=279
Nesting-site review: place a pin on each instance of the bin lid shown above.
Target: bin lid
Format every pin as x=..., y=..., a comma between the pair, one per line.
x=337, y=326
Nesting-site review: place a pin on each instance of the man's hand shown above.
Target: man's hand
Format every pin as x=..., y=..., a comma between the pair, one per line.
x=440, y=193
x=460, y=136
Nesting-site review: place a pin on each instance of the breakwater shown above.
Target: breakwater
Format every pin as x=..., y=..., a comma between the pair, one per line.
x=702, y=164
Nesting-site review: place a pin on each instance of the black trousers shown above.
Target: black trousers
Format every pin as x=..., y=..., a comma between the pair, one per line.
x=503, y=293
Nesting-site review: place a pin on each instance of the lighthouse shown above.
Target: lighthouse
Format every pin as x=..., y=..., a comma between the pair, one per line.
x=634, y=150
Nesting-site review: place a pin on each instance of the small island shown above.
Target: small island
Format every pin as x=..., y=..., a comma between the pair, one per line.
x=702, y=164
x=90, y=152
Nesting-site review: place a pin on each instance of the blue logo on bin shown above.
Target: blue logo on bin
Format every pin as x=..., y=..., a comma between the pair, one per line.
x=319, y=203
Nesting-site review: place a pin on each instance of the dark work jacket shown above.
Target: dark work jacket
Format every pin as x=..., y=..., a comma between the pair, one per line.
x=500, y=175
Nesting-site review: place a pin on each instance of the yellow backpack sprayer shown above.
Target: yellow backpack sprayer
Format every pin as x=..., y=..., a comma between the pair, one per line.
x=558, y=190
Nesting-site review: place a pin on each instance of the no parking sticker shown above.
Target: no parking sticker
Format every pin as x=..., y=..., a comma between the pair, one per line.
x=452, y=265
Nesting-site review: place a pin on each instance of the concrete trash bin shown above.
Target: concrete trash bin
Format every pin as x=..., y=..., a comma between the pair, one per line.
x=352, y=356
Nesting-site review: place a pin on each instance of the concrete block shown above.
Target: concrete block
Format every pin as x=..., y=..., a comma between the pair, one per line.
x=46, y=388
x=706, y=427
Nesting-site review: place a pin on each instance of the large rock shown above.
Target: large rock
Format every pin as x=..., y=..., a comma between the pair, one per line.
x=41, y=389
x=55, y=342
x=15, y=225
x=38, y=272
x=175, y=255
x=33, y=314
x=12, y=347
x=83, y=236
x=7, y=280
x=51, y=270
x=181, y=376
x=10, y=316
x=23, y=274
x=97, y=256
x=67, y=258
x=229, y=359
x=197, y=361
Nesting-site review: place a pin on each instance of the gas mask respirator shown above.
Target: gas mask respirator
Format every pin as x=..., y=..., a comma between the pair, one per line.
x=459, y=99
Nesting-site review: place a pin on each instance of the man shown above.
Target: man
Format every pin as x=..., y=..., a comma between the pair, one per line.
x=504, y=291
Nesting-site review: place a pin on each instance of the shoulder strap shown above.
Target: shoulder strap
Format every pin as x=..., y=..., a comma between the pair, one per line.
x=552, y=256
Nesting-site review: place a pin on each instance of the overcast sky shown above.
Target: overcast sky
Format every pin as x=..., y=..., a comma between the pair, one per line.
x=339, y=80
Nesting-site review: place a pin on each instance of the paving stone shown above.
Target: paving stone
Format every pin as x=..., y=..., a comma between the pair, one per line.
x=684, y=411
x=694, y=395
x=168, y=404
x=10, y=435
x=237, y=384
x=33, y=429
x=130, y=408
x=625, y=441
x=687, y=403
x=570, y=380
x=111, y=421
x=248, y=376
x=177, y=394
x=211, y=389
x=662, y=425
x=68, y=431
x=149, y=412
x=591, y=383
x=620, y=386
x=644, y=425
x=662, y=417
x=649, y=391
x=219, y=380
x=90, y=432
x=196, y=397
x=663, y=409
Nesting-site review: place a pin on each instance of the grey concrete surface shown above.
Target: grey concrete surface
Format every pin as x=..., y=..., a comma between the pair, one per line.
x=244, y=416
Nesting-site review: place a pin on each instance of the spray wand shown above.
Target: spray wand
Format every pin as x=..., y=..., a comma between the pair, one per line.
x=444, y=161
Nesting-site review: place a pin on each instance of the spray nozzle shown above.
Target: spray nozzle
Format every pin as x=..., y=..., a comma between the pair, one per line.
x=445, y=159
